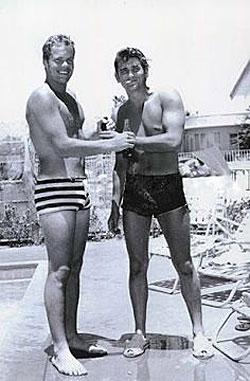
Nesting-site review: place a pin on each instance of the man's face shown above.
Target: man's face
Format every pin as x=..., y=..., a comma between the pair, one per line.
x=131, y=75
x=60, y=65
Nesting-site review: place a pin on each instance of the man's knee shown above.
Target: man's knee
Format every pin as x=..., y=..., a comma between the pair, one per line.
x=138, y=267
x=76, y=265
x=185, y=268
x=61, y=275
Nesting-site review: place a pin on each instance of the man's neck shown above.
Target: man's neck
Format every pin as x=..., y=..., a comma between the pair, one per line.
x=55, y=86
x=138, y=97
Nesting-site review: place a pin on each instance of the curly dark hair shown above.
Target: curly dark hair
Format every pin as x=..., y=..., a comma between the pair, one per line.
x=124, y=54
x=53, y=40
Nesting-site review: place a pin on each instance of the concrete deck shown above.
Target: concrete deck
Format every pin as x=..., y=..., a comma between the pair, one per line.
x=105, y=314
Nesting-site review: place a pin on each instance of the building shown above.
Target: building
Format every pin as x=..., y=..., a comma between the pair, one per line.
x=204, y=131
x=222, y=130
x=242, y=85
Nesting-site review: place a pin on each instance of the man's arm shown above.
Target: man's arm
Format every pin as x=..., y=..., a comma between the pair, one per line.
x=119, y=177
x=173, y=120
x=43, y=108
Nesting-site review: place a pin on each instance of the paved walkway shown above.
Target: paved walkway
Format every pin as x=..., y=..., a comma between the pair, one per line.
x=105, y=314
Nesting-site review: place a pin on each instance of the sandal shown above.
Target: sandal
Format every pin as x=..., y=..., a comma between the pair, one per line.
x=136, y=346
x=92, y=350
x=202, y=348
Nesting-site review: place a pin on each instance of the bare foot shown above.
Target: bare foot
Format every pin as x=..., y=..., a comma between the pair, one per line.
x=202, y=347
x=78, y=345
x=67, y=364
x=136, y=346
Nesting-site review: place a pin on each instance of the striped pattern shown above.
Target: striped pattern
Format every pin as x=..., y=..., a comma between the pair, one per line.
x=53, y=195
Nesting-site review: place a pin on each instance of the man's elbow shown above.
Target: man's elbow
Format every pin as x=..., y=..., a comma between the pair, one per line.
x=62, y=152
x=176, y=144
x=173, y=143
x=62, y=149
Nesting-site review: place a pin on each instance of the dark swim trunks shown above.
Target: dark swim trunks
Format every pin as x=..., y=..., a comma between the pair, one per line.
x=153, y=195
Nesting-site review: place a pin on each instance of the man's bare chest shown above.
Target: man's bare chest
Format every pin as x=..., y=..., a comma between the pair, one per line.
x=71, y=118
x=148, y=120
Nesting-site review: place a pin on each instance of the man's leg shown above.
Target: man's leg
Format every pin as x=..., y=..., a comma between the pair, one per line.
x=136, y=229
x=59, y=232
x=175, y=226
x=73, y=286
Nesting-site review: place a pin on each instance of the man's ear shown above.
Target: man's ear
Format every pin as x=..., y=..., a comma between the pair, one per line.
x=45, y=64
x=117, y=77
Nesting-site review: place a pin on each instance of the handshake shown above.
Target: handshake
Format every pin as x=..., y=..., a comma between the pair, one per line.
x=118, y=141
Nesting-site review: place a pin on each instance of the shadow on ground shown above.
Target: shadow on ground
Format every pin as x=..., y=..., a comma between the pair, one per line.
x=114, y=347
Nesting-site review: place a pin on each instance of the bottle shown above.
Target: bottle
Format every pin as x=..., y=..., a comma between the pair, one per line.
x=127, y=153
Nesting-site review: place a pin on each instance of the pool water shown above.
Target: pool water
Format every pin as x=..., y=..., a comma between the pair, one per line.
x=14, y=281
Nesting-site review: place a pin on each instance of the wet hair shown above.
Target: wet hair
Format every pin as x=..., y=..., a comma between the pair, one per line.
x=125, y=54
x=56, y=39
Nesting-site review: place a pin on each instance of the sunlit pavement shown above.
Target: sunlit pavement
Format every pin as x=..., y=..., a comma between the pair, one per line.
x=105, y=315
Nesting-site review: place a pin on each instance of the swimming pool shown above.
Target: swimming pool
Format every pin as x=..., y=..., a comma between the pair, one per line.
x=14, y=281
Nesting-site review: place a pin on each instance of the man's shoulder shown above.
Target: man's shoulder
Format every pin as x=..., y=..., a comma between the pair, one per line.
x=42, y=92
x=124, y=106
x=167, y=98
x=39, y=96
x=167, y=94
x=71, y=92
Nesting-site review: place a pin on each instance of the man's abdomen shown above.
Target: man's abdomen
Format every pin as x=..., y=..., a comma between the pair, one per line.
x=155, y=163
x=58, y=167
x=74, y=167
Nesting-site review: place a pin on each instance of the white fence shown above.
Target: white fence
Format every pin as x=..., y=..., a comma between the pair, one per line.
x=229, y=155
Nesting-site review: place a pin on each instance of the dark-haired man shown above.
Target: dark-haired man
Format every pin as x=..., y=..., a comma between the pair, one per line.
x=55, y=120
x=148, y=180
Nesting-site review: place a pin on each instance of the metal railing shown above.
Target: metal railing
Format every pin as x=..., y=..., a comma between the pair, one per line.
x=229, y=155
x=237, y=155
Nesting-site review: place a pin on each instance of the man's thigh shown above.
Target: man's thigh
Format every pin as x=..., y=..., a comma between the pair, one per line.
x=81, y=232
x=175, y=226
x=136, y=229
x=59, y=228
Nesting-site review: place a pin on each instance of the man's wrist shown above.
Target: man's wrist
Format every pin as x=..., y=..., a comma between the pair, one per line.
x=139, y=141
x=115, y=205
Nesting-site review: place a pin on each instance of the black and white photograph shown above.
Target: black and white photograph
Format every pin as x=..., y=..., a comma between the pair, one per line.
x=125, y=190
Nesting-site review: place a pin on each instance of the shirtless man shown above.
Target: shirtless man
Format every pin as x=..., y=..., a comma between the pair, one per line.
x=55, y=120
x=148, y=180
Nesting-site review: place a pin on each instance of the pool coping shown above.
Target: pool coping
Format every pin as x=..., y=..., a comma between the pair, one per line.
x=22, y=354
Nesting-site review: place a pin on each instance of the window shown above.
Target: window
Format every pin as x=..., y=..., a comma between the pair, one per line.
x=233, y=141
x=196, y=142
x=202, y=140
x=217, y=138
x=186, y=143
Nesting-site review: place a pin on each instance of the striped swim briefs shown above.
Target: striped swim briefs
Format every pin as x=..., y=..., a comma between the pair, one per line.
x=59, y=194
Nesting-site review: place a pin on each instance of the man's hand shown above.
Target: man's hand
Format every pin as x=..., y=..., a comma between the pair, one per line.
x=108, y=134
x=114, y=219
x=119, y=141
x=105, y=124
x=93, y=129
